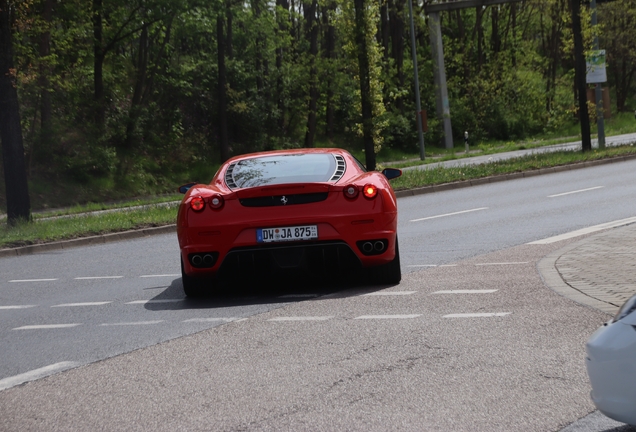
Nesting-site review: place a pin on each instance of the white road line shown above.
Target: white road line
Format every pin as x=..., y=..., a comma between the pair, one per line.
x=201, y=320
x=298, y=296
x=478, y=315
x=302, y=318
x=16, y=307
x=390, y=293
x=155, y=301
x=448, y=265
x=82, y=304
x=488, y=291
x=33, y=280
x=502, y=263
x=35, y=374
x=132, y=323
x=423, y=265
x=98, y=277
x=449, y=214
x=584, y=231
x=160, y=275
x=388, y=316
x=573, y=192
x=46, y=326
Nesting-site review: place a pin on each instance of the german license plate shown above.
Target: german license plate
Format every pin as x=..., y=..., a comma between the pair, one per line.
x=296, y=233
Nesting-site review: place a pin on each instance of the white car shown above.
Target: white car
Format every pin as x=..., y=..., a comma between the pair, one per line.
x=611, y=365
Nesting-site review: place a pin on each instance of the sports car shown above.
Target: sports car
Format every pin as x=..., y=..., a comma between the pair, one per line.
x=611, y=365
x=311, y=211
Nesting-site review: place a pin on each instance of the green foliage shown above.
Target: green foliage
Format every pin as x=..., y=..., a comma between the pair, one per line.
x=509, y=70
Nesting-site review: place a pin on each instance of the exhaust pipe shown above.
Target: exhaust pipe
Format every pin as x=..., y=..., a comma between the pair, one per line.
x=208, y=259
x=379, y=246
x=196, y=260
x=367, y=247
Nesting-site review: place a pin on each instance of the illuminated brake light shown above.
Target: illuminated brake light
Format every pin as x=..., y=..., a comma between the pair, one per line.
x=351, y=191
x=197, y=204
x=216, y=202
x=370, y=191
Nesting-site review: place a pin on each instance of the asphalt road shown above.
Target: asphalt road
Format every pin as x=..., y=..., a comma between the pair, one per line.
x=342, y=359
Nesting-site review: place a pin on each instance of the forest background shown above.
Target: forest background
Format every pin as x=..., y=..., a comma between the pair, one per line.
x=130, y=97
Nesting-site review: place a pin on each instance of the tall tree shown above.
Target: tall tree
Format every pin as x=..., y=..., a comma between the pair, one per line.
x=311, y=33
x=17, y=189
x=361, y=31
x=224, y=146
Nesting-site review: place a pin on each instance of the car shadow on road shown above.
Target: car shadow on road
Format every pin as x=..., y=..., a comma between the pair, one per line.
x=262, y=291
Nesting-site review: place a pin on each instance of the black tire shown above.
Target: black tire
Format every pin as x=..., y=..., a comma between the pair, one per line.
x=389, y=273
x=192, y=286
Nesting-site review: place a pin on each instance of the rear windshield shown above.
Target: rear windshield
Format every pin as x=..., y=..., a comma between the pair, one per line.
x=271, y=170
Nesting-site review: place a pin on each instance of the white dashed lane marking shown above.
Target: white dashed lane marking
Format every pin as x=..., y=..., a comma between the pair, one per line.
x=466, y=291
x=83, y=304
x=382, y=317
x=302, y=318
x=390, y=293
x=573, y=192
x=449, y=214
x=203, y=320
x=132, y=323
x=47, y=326
x=16, y=307
x=32, y=280
x=478, y=315
x=155, y=301
x=42, y=372
x=97, y=277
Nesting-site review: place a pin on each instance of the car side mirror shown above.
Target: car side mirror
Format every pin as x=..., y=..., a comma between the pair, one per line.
x=391, y=173
x=186, y=187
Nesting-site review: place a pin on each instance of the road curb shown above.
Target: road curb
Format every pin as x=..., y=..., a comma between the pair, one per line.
x=87, y=241
x=504, y=177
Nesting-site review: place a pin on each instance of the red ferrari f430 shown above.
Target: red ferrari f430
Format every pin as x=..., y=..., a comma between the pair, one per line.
x=313, y=210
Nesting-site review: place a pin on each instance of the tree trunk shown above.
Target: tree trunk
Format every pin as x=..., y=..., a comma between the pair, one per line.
x=361, y=28
x=495, y=39
x=311, y=32
x=17, y=189
x=229, y=49
x=98, y=66
x=45, y=70
x=283, y=28
x=579, y=72
x=224, y=146
x=384, y=29
x=330, y=54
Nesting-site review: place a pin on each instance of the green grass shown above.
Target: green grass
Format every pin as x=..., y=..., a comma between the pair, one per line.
x=427, y=177
x=44, y=231
x=91, y=207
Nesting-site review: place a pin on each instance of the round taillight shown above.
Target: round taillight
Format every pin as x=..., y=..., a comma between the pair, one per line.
x=350, y=191
x=197, y=204
x=370, y=191
x=216, y=202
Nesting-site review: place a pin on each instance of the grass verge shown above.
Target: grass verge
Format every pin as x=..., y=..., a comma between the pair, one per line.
x=439, y=175
x=45, y=231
